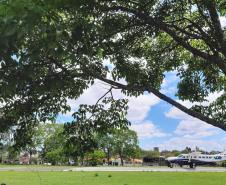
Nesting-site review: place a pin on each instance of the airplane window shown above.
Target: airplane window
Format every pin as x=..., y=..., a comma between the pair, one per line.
x=199, y=157
x=203, y=157
x=194, y=156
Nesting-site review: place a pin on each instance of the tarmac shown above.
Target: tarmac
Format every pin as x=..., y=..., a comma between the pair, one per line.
x=112, y=169
x=150, y=169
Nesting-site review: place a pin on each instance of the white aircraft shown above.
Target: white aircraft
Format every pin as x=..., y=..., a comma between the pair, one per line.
x=196, y=158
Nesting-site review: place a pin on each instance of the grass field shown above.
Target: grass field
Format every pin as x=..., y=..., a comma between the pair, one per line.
x=111, y=178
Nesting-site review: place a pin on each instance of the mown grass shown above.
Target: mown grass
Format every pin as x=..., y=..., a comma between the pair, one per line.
x=112, y=178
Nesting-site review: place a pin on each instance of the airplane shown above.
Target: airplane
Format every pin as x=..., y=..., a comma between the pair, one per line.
x=194, y=159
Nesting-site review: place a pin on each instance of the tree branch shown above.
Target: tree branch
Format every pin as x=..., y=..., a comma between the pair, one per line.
x=95, y=106
x=218, y=32
x=145, y=17
x=166, y=99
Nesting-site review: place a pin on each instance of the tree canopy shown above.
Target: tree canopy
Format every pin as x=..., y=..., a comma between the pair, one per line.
x=51, y=51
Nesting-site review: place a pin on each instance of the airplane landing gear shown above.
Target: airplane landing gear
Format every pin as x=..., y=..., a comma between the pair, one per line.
x=192, y=165
x=170, y=165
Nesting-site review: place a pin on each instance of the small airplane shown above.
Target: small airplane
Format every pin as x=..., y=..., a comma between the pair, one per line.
x=194, y=159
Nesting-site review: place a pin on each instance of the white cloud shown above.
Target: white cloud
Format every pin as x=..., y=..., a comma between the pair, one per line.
x=194, y=129
x=148, y=130
x=223, y=21
x=170, y=78
x=179, y=143
x=178, y=114
x=89, y=97
x=188, y=126
x=168, y=86
x=138, y=106
x=108, y=64
x=191, y=131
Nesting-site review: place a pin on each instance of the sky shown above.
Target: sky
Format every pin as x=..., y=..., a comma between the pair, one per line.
x=157, y=123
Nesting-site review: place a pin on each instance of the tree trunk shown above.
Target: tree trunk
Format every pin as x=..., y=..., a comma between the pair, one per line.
x=121, y=158
x=82, y=160
x=108, y=157
x=30, y=155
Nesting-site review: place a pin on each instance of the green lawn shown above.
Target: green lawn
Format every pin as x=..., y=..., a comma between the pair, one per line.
x=111, y=178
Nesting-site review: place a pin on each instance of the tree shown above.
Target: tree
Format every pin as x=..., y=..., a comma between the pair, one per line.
x=186, y=150
x=92, y=124
x=53, y=150
x=35, y=144
x=125, y=144
x=151, y=154
x=96, y=157
x=53, y=51
x=106, y=144
x=6, y=149
x=119, y=141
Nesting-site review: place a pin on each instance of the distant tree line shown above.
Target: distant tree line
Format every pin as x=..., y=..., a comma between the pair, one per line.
x=54, y=145
x=51, y=143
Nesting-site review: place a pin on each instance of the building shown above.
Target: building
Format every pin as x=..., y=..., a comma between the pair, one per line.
x=156, y=149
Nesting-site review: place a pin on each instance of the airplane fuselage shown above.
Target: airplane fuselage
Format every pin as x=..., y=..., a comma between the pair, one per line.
x=196, y=158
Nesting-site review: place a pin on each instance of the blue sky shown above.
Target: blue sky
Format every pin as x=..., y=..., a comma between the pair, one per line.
x=157, y=123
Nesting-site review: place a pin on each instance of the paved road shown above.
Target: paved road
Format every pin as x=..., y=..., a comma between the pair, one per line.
x=151, y=169
x=119, y=169
x=34, y=168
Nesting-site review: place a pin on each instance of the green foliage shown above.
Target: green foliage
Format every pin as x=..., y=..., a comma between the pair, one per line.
x=101, y=118
x=125, y=144
x=94, y=158
x=53, y=51
x=92, y=120
x=151, y=154
x=106, y=144
x=53, y=149
x=216, y=109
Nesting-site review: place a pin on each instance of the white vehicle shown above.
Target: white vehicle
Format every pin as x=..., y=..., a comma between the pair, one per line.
x=196, y=158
